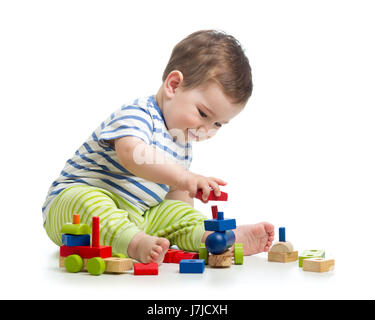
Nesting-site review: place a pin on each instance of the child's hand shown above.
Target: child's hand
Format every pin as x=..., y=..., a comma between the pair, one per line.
x=192, y=182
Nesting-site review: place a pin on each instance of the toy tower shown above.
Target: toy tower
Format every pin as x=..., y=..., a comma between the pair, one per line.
x=216, y=251
x=282, y=251
x=77, y=254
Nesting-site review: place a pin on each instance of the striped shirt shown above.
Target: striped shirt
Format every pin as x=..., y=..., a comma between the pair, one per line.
x=96, y=163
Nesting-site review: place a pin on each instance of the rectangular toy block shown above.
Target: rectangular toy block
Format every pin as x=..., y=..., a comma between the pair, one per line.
x=87, y=252
x=184, y=256
x=282, y=256
x=168, y=258
x=318, y=264
x=214, y=211
x=219, y=225
x=118, y=265
x=71, y=240
x=141, y=269
x=192, y=266
x=95, y=232
x=310, y=254
x=211, y=197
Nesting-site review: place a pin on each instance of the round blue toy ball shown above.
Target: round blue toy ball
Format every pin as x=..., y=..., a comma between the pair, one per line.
x=218, y=242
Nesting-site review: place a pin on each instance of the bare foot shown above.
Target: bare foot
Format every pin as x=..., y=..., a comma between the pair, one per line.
x=146, y=249
x=255, y=238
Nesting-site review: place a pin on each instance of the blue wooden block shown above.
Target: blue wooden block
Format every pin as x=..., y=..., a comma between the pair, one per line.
x=192, y=266
x=72, y=240
x=282, y=234
x=219, y=225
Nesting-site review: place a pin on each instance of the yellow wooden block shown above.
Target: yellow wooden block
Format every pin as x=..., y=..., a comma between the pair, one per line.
x=223, y=260
x=318, y=265
x=283, y=256
x=118, y=265
x=282, y=247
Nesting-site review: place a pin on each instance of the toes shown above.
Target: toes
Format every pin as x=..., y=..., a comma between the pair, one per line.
x=154, y=254
x=269, y=228
x=163, y=243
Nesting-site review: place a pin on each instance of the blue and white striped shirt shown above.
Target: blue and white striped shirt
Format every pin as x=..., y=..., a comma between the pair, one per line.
x=96, y=163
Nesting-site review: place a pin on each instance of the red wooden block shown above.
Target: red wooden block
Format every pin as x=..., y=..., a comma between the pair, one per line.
x=95, y=232
x=211, y=197
x=195, y=255
x=145, y=269
x=87, y=252
x=214, y=212
x=183, y=256
x=168, y=258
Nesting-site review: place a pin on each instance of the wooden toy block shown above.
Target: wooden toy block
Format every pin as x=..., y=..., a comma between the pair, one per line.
x=192, y=266
x=282, y=247
x=87, y=252
x=168, y=258
x=211, y=197
x=318, y=264
x=282, y=234
x=214, y=211
x=184, y=256
x=72, y=240
x=306, y=254
x=77, y=229
x=95, y=232
x=282, y=256
x=118, y=265
x=141, y=269
x=238, y=253
x=219, y=225
x=76, y=219
x=203, y=253
x=223, y=260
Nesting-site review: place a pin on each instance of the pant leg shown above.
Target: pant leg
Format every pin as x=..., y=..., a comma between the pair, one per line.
x=118, y=219
x=177, y=221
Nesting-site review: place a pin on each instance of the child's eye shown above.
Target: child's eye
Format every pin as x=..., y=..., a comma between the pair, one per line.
x=203, y=115
x=218, y=124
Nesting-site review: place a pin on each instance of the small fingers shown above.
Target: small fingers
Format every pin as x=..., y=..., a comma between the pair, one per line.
x=215, y=187
x=218, y=181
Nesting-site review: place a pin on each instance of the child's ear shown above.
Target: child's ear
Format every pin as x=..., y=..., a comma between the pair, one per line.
x=172, y=82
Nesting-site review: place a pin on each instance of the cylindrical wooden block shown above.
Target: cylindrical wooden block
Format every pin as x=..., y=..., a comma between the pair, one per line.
x=76, y=219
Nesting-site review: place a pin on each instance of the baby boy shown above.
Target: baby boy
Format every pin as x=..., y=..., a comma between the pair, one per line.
x=133, y=170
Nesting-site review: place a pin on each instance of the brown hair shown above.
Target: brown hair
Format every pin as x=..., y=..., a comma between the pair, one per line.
x=208, y=56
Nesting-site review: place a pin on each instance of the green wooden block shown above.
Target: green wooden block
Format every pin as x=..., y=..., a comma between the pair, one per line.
x=76, y=229
x=238, y=253
x=203, y=253
x=310, y=254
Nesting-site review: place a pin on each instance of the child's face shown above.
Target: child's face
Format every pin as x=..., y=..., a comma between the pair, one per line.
x=197, y=114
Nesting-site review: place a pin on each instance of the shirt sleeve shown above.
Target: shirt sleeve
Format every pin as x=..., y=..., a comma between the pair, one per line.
x=130, y=120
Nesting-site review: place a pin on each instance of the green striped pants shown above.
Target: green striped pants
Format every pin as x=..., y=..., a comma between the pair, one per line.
x=120, y=221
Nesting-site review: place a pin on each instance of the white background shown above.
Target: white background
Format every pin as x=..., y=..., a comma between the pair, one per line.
x=301, y=154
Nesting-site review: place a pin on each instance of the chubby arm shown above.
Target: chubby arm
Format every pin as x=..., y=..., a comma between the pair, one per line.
x=180, y=195
x=140, y=159
x=146, y=162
